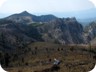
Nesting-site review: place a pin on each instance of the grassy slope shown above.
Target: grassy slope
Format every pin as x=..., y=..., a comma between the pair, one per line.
x=74, y=58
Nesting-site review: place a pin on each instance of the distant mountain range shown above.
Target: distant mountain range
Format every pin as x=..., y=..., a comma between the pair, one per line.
x=80, y=15
x=18, y=30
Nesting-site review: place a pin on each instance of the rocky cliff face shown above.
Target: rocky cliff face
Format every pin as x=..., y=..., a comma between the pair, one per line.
x=65, y=31
x=90, y=31
x=29, y=28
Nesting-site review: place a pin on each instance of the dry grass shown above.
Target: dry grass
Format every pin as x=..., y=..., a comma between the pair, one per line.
x=73, y=60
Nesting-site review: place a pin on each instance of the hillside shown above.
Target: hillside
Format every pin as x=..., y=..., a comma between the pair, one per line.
x=32, y=41
x=26, y=17
x=63, y=31
x=52, y=29
x=40, y=56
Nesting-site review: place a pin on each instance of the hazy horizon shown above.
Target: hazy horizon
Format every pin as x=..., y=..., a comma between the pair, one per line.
x=59, y=8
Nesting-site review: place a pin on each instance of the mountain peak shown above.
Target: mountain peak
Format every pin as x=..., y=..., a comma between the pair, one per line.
x=25, y=13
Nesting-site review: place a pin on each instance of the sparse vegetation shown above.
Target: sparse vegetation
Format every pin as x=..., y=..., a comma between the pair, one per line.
x=41, y=55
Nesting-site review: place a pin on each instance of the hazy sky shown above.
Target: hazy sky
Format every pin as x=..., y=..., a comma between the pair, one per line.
x=94, y=2
x=44, y=6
